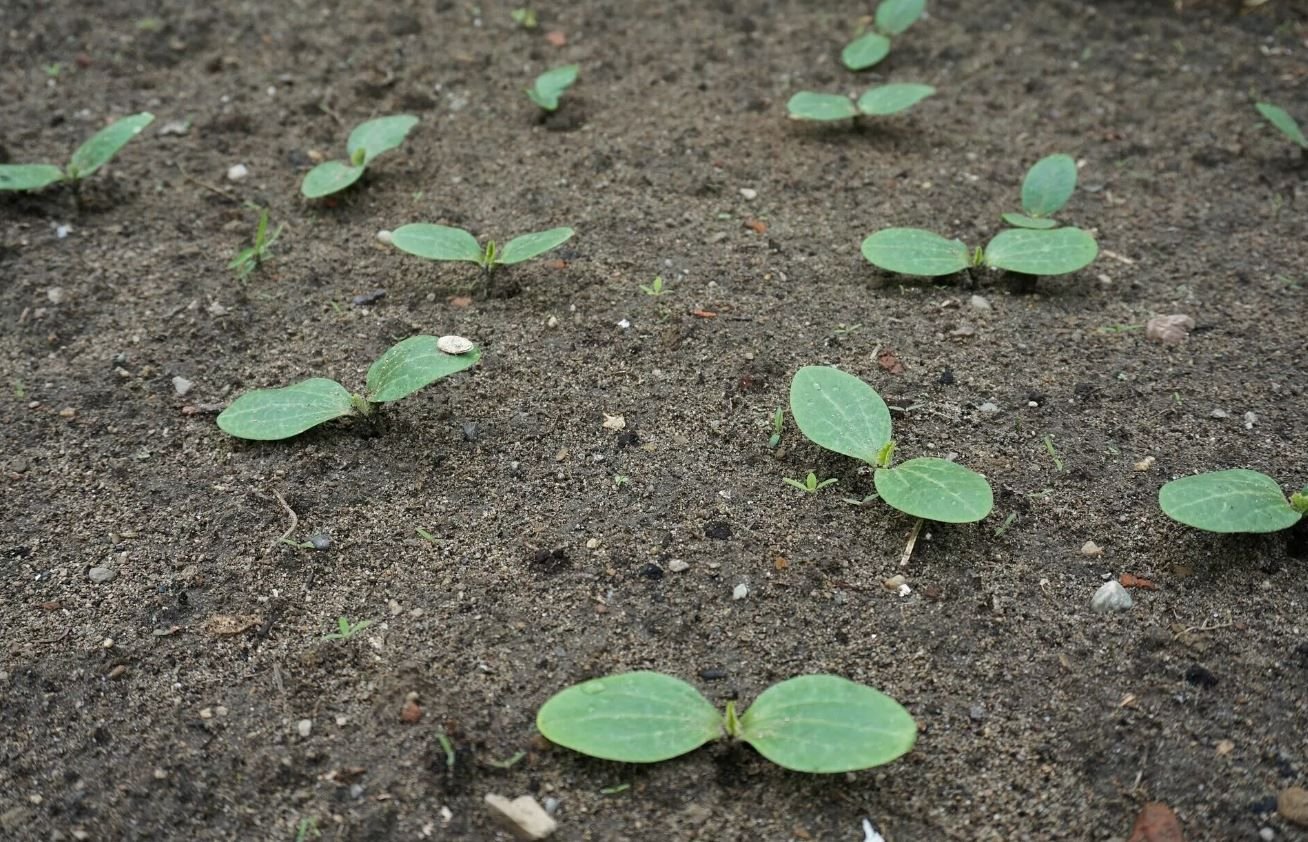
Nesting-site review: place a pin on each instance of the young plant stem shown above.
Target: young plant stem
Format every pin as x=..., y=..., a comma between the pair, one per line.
x=290, y=530
x=912, y=542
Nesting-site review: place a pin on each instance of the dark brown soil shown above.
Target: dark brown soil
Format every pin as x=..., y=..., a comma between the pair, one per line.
x=126, y=717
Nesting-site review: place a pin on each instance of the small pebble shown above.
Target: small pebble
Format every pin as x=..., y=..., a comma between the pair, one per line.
x=1169, y=330
x=987, y=408
x=236, y=172
x=740, y=591
x=454, y=345
x=1090, y=548
x=366, y=298
x=1219, y=413
x=304, y=727
x=320, y=541
x=893, y=583
x=749, y=193
x=979, y=302
x=677, y=565
x=1145, y=463
x=101, y=575
x=1250, y=419
x=1266, y=834
x=384, y=236
x=182, y=386
x=1111, y=596
x=56, y=295
x=1292, y=804
x=977, y=713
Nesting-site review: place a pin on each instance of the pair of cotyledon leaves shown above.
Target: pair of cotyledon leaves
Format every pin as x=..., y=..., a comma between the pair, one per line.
x=551, y=85
x=368, y=140
x=812, y=723
x=880, y=101
x=893, y=17
x=1237, y=500
x=406, y=367
x=441, y=242
x=89, y=157
x=840, y=412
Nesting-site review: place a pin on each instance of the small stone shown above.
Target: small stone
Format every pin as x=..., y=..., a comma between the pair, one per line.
x=182, y=386
x=1145, y=463
x=1200, y=676
x=1111, y=596
x=454, y=345
x=320, y=541
x=236, y=172
x=1219, y=413
x=593, y=544
x=740, y=591
x=117, y=672
x=1169, y=330
x=987, y=408
x=979, y=302
x=963, y=330
x=366, y=298
x=206, y=713
x=1292, y=804
x=160, y=774
x=101, y=575
x=304, y=727
x=176, y=128
x=614, y=422
x=1266, y=834
x=411, y=713
x=1250, y=419
x=749, y=193
x=893, y=583
x=718, y=531
x=552, y=805
x=1091, y=549
x=678, y=566
x=384, y=236
x=524, y=817
x=552, y=321
x=56, y=295
x=976, y=713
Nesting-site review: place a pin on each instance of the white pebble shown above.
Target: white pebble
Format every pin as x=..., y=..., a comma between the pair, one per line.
x=454, y=345
x=236, y=172
x=1111, y=596
x=677, y=565
x=56, y=295
x=304, y=726
x=741, y=591
x=384, y=236
x=749, y=193
x=182, y=386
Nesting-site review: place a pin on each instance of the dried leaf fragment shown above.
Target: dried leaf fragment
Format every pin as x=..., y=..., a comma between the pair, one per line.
x=226, y=625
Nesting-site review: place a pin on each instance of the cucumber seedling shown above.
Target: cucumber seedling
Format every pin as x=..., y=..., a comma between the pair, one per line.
x=441, y=242
x=881, y=101
x=1047, y=187
x=892, y=18
x=89, y=157
x=810, y=484
x=1284, y=123
x=551, y=85
x=1237, y=500
x=839, y=412
x=812, y=723
x=367, y=141
x=406, y=367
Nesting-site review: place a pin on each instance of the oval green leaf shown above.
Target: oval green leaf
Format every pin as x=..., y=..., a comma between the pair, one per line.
x=272, y=414
x=1048, y=185
x=865, y=51
x=826, y=724
x=327, y=178
x=104, y=144
x=411, y=364
x=530, y=245
x=1053, y=252
x=1237, y=500
x=912, y=251
x=436, y=242
x=1021, y=220
x=551, y=84
x=1280, y=118
x=839, y=412
x=635, y=717
x=29, y=176
x=383, y=134
x=885, y=100
x=935, y=489
x=807, y=105
x=895, y=16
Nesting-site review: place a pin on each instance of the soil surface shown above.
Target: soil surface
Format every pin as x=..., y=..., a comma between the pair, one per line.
x=188, y=692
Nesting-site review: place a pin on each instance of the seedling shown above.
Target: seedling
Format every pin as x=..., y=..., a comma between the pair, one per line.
x=893, y=17
x=812, y=723
x=551, y=84
x=810, y=484
x=913, y=251
x=778, y=419
x=366, y=142
x=249, y=259
x=524, y=17
x=654, y=287
x=89, y=157
x=1237, y=500
x=1047, y=187
x=307, y=829
x=440, y=242
x=346, y=630
x=839, y=412
x=406, y=367
x=881, y=101
x=1284, y=123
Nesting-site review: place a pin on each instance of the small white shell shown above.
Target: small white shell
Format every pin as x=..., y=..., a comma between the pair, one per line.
x=454, y=345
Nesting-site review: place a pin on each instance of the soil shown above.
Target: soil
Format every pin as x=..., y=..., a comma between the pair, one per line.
x=167, y=702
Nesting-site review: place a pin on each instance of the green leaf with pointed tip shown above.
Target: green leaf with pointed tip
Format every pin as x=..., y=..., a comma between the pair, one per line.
x=1057, y=251
x=807, y=105
x=885, y=100
x=436, y=242
x=530, y=245
x=635, y=717
x=935, y=489
x=1280, y=118
x=1021, y=220
x=411, y=364
x=839, y=412
x=271, y=414
x=329, y=177
x=29, y=176
x=865, y=51
x=825, y=724
x=104, y=144
x=551, y=85
x=1048, y=185
x=893, y=17
x=1237, y=500
x=912, y=251
x=380, y=135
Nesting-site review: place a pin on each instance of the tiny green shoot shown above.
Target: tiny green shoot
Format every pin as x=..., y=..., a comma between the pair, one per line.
x=654, y=287
x=1053, y=454
x=524, y=17
x=368, y=140
x=509, y=762
x=346, y=630
x=616, y=789
x=447, y=746
x=810, y=484
x=778, y=420
x=1237, y=500
x=841, y=413
x=1284, y=123
x=425, y=535
x=1008, y=521
x=250, y=258
x=406, y=367
x=893, y=17
x=551, y=85
x=812, y=723
x=1048, y=186
x=307, y=829
x=441, y=242
x=881, y=101
x=89, y=157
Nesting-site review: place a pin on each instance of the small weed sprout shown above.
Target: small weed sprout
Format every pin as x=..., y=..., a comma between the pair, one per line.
x=820, y=724
x=892, y=18
x=251, y=258
x=366, y=142
x=654, y=288
x=307, y=829
x=778, y=421
x=810, y=484
x=89, y=157
x=1284, y=123
x=551, y=85
x=881, y=101
x=1048, y=185
x=346, y=630
x=406, y=367
x=443, y=243
x=1237, y=500
x=524, y=17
